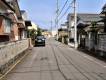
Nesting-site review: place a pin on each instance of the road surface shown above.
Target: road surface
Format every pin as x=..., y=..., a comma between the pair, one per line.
x=57, y=61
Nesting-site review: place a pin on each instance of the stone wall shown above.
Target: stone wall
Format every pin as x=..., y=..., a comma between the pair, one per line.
x=9, y=50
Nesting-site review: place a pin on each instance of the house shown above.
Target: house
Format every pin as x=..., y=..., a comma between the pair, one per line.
x=6, y=22
x=96, y=40
x=46, y=33
x=84, y=21
x=12, y=26
x=20, y=20
x=26, y=22
x=63, y=33
x=101, y=45
x=103, y=16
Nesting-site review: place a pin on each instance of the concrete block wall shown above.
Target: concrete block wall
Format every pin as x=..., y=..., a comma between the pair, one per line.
x=102, y=42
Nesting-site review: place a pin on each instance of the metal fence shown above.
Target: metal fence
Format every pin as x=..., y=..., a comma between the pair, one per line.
x=10, y=50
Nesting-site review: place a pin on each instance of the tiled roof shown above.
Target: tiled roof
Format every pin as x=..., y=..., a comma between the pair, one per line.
x=87, y=17
x=5, y=2
x=104, y=9
x=104, y=6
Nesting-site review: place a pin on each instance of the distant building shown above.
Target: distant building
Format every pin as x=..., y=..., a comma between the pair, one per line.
x=46, y=33
x=63, y=33
x=54, y=32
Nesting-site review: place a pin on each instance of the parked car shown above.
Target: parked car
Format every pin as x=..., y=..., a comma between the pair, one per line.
x=40, y=41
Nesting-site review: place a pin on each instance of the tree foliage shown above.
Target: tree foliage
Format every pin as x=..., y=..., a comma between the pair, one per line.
x=39, y=32
x=32, y=33
x=93, y=26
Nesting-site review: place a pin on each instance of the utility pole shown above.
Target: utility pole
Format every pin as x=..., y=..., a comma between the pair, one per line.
x=75, y=26
x=51, y=26
x=57, y=14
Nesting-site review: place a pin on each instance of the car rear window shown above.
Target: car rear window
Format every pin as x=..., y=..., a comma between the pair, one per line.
x=40, y=37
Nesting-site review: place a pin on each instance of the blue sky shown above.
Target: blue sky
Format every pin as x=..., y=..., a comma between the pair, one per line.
x=43, y=11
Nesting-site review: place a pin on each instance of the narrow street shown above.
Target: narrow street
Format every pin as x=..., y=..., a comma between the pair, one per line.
x=57, y=61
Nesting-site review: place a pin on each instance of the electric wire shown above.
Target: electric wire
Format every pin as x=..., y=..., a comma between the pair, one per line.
x=66, y=11
x=63, y=7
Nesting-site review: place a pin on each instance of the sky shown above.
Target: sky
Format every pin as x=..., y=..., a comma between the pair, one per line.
x=43, y=11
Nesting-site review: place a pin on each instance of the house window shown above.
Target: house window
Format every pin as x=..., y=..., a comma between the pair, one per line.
x=7, y=26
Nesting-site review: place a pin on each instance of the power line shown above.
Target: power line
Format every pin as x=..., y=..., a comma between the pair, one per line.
x=63, y=7
x=59, y=13
x=66, y=11
x=58, y=17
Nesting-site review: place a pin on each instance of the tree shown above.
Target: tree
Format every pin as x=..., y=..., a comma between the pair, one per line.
x=93, y=26
x=32, y=33
x=39, y=32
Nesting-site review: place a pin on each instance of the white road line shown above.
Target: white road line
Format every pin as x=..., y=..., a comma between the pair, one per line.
x=104, y=66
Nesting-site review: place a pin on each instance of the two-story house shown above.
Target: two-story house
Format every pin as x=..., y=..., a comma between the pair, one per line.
x=6, y=22
x=20, y=21
x=12, y=25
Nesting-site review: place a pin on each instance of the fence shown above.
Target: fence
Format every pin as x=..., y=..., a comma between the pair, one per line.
x=99, y=47
x=102, y=42
x=89, y=43
x=10, y=50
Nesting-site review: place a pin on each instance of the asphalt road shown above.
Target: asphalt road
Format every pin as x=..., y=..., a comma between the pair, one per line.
x=57, y=61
